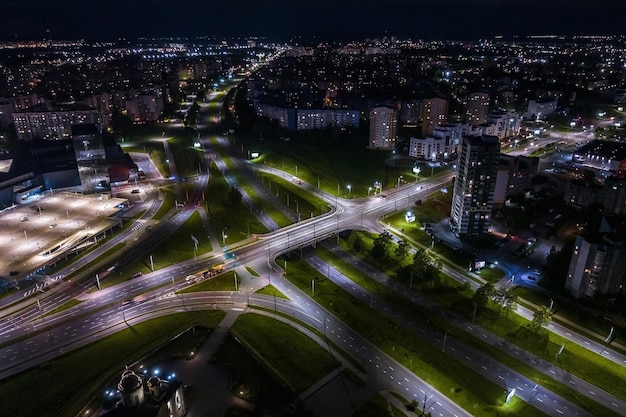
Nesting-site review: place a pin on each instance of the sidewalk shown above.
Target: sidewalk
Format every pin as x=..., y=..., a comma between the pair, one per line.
x=209, y=395
x=215, y=243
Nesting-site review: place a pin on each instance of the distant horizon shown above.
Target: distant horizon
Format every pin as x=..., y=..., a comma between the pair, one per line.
x=281, y=20
x=319, y=38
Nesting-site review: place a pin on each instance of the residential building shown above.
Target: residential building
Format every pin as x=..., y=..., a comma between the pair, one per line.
x=434, y=113
x=614, y=196
x=383, y=128
x=502, y=124
x=540, y=109
x=144, y=108
x=53, y=124
x=472, y=201
x=441, y=146
x=477, y=108
x=598, y=265
x=514, y=176
x=323, y=118
x=410, y=112
x=611, y=195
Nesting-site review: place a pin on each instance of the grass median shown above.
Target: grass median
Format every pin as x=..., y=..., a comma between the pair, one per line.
x=235, y=220
x=290, y=355
x=467, y=388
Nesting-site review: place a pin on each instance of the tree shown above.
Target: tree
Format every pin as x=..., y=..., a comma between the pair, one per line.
x=402, y=250
x=505, y=300
x=483, y=294
x=381, y=243
x=510, y=302
x=421, y=261
x=541, y=317
x=234, y=196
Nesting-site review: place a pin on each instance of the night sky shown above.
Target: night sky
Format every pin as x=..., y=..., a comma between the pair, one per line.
x=328, y=19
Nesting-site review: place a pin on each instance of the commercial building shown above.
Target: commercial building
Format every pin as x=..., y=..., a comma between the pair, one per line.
x=477, y=108
x=603, y=154
x=383, y=128
x=472, y=201
x=434, y=113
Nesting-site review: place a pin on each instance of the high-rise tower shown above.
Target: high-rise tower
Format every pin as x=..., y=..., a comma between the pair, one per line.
x=472, y=201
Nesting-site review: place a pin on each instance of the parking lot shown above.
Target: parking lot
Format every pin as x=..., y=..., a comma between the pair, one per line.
x=36, y=233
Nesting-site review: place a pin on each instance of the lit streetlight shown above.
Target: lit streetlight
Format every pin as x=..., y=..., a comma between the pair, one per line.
x=224, y=236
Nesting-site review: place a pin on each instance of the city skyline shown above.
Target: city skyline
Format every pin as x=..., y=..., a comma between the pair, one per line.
x=323, y=19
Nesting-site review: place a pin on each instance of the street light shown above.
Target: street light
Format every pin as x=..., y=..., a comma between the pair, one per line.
x=224, y=236
x=399, y=178
x=369, y=190
x=349, y=189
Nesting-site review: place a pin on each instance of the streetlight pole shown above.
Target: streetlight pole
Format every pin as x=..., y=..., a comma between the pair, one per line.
x=224, y=236
x=349, y=190
x=269, y=279
x=445, y=338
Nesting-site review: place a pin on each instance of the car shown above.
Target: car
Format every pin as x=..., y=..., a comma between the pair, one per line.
x=137, y=274
x=383, y=196
x=418, y=202
x=52, y=226
x=14, y=273
x=531, y=277
x=24, y=218
x=135, y=191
